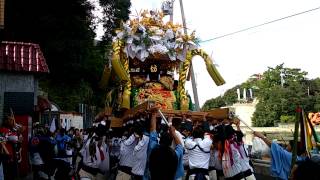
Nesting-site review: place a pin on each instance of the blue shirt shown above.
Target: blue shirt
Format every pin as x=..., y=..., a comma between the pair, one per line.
x=61, y=141
x=179, y=153
x=281, y=161
x=153, y=143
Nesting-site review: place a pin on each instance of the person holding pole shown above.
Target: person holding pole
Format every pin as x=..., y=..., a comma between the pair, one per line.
x=232, y=154
x=165, y=162
x=199, y=154
x=280, y=157
x=139, y=156
x=126, y=163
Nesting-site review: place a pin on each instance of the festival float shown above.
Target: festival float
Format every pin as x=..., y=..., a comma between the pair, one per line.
x=147, y=54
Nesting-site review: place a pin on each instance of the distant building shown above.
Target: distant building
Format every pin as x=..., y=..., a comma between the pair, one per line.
x=71, y=119
x=20, y=66
x=245, y=110
x=47, y=116
x=61, y=119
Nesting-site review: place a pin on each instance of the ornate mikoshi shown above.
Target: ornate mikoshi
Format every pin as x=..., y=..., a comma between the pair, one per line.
x=146, y=53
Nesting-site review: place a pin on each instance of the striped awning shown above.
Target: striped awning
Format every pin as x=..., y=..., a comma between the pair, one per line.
x=22, y=57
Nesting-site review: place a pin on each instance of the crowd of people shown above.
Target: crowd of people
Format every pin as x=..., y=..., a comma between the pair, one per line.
x=148, y=148
x=145, y=148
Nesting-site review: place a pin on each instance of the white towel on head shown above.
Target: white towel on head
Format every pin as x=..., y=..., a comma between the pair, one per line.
x=53, y=126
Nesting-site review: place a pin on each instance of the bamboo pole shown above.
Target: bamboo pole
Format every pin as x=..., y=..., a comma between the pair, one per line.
x=246, y=124
x=295, y=137
x=304, y=130
x=163, y=117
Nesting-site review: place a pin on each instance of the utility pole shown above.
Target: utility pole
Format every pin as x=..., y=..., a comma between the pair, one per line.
x=193, y=80
x=282, y=77
x=171, y=15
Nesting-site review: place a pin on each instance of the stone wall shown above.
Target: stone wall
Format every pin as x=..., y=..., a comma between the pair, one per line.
x=280, y=133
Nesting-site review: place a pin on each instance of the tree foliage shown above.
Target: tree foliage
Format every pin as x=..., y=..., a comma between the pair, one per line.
x=229, y=97
x=115, y=12
x=65, y=32
x=276, y=101
x=214, y=103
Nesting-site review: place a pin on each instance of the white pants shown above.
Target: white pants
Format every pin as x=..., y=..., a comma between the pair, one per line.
x=86, y=176
x=251, y=177
x=213, y=175
x=191, y=177
x=123, y=176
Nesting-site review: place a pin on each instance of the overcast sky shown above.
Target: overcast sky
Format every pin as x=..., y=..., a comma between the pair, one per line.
x=294, y=41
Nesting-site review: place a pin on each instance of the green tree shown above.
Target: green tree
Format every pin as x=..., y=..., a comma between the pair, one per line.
x=115, y=12
x=214, y=103
x=276, y=100
x=229, y=97
x=287, y=119
x=65, y=32
x=314, y=94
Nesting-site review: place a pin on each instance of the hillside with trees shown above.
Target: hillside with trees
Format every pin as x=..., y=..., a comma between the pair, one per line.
x=65, y=31
x=277, y=97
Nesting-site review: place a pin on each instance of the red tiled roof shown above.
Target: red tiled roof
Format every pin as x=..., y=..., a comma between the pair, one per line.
x=22, y=57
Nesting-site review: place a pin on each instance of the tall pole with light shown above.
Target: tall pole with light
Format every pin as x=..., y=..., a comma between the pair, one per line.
x=191, y=71
x=282, y=77
x=171, y=15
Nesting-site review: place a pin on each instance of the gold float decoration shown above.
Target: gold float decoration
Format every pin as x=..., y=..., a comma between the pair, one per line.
x=213, y=72
x=148, y=37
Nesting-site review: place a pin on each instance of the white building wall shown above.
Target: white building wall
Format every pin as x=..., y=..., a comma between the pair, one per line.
x=245, y=111
x=72, y=120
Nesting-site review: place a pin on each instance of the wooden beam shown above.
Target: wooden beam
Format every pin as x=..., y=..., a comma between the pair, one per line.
x=116, y=122
x=219, y=113
x=138, y=109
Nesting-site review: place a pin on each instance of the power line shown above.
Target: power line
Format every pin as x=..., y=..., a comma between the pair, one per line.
x=259, y=25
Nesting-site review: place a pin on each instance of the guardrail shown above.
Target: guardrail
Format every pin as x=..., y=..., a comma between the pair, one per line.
x=261, y=167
